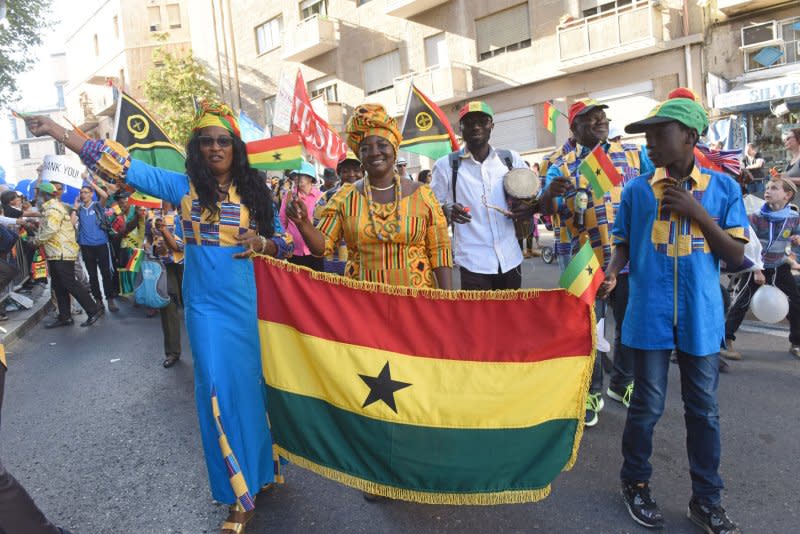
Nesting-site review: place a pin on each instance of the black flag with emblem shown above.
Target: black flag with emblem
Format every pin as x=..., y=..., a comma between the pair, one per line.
x=137, y=130
x=426, y=129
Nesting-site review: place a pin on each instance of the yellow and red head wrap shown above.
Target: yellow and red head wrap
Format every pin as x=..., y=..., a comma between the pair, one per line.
x=372, y=119
x=211, y=114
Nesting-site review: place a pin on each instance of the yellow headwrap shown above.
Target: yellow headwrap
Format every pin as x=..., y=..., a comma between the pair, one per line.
x=372, y=119
x=220, y=115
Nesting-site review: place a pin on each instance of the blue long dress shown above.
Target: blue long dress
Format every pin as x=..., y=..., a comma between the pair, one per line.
x=220, y=308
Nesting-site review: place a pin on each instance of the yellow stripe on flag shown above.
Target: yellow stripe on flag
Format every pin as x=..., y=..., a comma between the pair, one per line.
x=584, y=280
x=443, y=393
x=285, y=154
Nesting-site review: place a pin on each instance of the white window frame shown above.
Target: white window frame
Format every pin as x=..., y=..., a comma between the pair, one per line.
x=269, y=30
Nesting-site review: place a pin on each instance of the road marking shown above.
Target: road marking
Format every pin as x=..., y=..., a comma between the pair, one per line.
x=770, y=331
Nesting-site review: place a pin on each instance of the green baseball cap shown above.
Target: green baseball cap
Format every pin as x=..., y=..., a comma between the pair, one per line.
x=47, y=187
x=683, y=110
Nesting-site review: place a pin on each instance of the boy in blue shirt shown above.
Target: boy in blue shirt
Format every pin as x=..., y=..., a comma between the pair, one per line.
x=674, y=224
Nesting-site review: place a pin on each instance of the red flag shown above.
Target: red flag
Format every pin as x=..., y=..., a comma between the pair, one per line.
x=318, y=138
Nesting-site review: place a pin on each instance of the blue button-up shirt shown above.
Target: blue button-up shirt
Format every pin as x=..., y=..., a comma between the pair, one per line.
x=675, y=298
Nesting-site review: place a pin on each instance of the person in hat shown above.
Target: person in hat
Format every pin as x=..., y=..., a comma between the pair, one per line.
x=402, y=166
x=304, y=179
x=673, y=225
x=57, y=234
x=349, y=169
x=469, y=184
x=579, y=218
x=227, y=214
x=777, y=226
x=127, y=240
x=330, y=180
x=394, y=228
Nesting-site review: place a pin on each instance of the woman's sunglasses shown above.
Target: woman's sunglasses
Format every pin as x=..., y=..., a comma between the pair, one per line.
x=224, y=141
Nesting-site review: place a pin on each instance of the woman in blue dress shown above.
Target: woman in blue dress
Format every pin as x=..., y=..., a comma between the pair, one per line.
x=227, y=214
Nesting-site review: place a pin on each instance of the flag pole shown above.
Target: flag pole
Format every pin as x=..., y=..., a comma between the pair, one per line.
x=408, y=105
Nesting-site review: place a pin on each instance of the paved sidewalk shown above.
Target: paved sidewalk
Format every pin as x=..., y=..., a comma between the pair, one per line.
x=20, y=322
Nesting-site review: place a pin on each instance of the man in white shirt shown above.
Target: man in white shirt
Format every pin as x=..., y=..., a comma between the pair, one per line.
x=484, y=242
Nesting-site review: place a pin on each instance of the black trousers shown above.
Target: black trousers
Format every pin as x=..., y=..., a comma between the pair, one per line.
x=170, y=314
x=18, y=513
x=622, y=373
x=64, y=284
x=747, y=287
x=312, y=262
x=99, y=257
x=7, y=273
x=482, y=282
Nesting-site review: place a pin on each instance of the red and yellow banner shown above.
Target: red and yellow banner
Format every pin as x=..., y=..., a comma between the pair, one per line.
x=431, y=396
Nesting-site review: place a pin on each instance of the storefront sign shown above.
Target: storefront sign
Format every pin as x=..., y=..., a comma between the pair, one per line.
x=758, y=92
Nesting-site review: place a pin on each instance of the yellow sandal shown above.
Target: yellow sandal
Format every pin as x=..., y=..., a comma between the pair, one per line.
x=236, y=520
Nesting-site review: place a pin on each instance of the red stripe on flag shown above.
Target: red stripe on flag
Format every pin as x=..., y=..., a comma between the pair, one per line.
x=273, y=143
x=441, y=115
x=550, y=326
x=608, y=167
x=590, y=294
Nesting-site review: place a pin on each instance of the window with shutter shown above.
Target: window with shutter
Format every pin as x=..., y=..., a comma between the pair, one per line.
x=154, y=18
x=380, y=72
x=309, y=8
x=515, y=130
x=436, y=50
x=503, y=32
x=174, y=16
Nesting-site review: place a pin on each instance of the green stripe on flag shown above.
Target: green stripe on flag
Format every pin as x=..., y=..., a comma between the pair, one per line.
x=416, y=458
x=577, y=266
x=431, y=149
x=600, y=182
x=163, y=158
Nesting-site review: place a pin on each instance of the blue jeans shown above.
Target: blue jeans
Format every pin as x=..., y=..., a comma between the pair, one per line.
x=699, y=380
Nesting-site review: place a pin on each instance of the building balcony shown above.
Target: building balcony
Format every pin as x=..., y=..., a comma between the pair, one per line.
x=444, y=84
x=737, y=7
x=310, y=38
x=624, y=33
x=410, y=8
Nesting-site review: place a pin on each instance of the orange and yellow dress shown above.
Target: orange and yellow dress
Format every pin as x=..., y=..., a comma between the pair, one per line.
x=406, y=247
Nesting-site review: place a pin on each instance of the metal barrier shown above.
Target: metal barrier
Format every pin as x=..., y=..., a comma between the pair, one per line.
x=23, y=270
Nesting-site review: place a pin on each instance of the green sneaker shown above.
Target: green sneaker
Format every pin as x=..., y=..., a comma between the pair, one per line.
x=594, y=403
x=621, y=395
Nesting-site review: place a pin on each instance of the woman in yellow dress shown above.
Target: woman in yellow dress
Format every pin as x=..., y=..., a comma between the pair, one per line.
x=394, y=228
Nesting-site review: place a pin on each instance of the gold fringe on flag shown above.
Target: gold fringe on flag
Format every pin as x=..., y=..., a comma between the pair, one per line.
x=423, y=497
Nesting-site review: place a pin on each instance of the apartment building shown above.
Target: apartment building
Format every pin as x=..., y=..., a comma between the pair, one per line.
x=515, y=55
x=113, y=47
x=752, y=59
x=28, y=151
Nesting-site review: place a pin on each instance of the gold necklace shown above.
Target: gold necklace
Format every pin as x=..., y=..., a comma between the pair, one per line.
x=393, y=228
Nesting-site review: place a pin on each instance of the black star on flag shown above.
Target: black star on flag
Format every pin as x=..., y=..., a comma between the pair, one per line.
x=382, y=387
x=277, y=156
x=590, y=270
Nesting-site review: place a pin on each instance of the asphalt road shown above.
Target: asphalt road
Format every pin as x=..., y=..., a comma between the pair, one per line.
x=106, y=441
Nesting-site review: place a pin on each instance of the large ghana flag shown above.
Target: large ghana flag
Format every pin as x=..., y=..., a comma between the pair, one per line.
x=441, y=397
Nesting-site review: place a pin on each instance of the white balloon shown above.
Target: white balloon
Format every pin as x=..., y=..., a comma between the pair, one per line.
x=769, y=304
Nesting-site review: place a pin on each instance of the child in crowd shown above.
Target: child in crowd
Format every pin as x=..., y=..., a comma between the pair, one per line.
x=674, y=224
x=777, y=226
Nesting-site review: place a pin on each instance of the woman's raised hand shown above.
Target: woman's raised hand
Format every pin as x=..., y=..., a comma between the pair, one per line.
x=40, y=125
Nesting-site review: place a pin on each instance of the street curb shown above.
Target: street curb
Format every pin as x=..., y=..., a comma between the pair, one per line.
x=28, y=324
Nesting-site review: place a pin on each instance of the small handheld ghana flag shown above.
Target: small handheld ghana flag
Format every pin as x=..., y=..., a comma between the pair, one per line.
x=583, y=275
x=600, y=172
x=276, y=153
x=551, y=114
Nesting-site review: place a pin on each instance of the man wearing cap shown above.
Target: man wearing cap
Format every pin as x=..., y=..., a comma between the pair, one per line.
x=469, y=185
x=578, y=218
x=674, y=224
x=401, y=166
x=57, y=234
